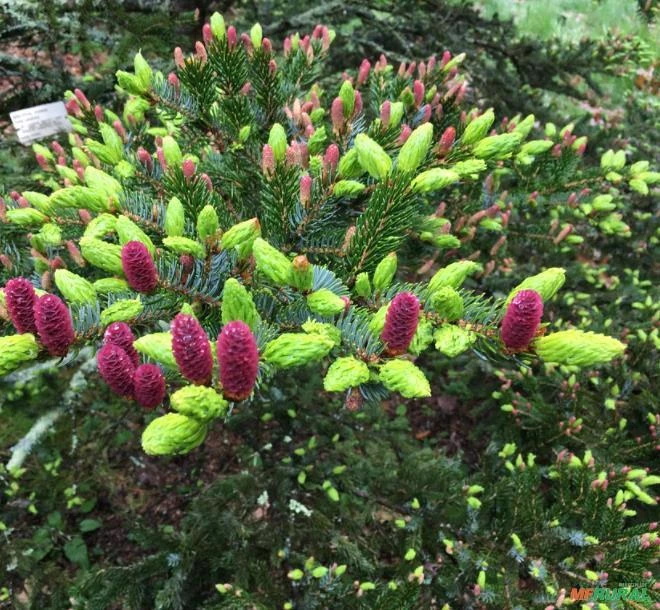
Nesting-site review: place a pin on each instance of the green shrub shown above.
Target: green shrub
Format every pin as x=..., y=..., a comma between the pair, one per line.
x=238, y=221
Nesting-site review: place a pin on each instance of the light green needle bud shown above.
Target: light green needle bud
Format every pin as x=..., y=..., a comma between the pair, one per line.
x=100, y=226
x=277, y=141
x=372, y=157
x=362, y=285
x=453, y=275
x=237, y=304
x=344, y=373
x=434, y=180
x=347, y=96
x=329, y=331
x=547, y=283
x=172, y=152
x=173, y=434
x=324, y=302
x=404, y=377
x=207, y=222
x=302, y=273
x=347, y=188
x=122, y=311
x=271, y=262
x=452, y=340
x=16, y=350
x=447, y=303
x=25, y=217
x=256, y=35
x=385, y=272
x=175, y=218
x=75, y=289
x=242, y=236
x=110, y=285
x=200, y=402
x=102, y=254
x=217, y=23
x=497, y=147
x=297, y=349
x=127, y=231
x=578, y=348
x=478, y=128
x=158, y=347
x=183, y=245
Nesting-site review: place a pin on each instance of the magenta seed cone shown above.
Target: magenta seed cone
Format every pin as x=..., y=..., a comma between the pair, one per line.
x=20, y=298
x=522, y=319
x=149, y=385
x=139, y=267
x=54, y=324
x=120, y=334
x=337, y=114
x=239, y=360
x=191, y=348
x=116, y=369
x=400, y=323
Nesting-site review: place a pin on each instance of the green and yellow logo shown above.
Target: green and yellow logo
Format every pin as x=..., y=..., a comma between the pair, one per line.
x=607, y=594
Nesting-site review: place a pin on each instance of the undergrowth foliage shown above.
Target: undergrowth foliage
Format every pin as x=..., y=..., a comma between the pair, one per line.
x=239, y=220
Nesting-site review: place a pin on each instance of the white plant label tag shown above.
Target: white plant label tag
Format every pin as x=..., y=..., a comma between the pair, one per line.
x=39, y=122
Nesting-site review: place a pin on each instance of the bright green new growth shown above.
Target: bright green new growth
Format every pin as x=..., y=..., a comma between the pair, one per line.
x=415, y=149
x=175, y=219
x=271, y=262
x=173, y=434
x=347, y=188
x=123, y=310
x=344, y=373
x=184, y=245
x=326, y=330
x=434, y=180
x=453, y=275
x=447, y=303
x=578, y=348
x=102, y=254
x=74, y=288
x=237, y=304
x=453, y=340
x=158, y=347
x=371, y=156
x=207, y=222
x=385, y=272
x=478, y=128
x=127, y=231
x=16, y=350
x=404, y=377
x=297, y=349
x=547, y=283
x=199, y=402
x=306, y=215
x=110, y=285
x=325, y=303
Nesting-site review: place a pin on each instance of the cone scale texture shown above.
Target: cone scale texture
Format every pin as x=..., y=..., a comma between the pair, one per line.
x=116, y=369
x=54, y=325
x=138, y=267
x=149, y=386
x=400, y=323
x=120, y=334
x=21, y=298
x=191, y=348
x=521, y=320
x=239, y=360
